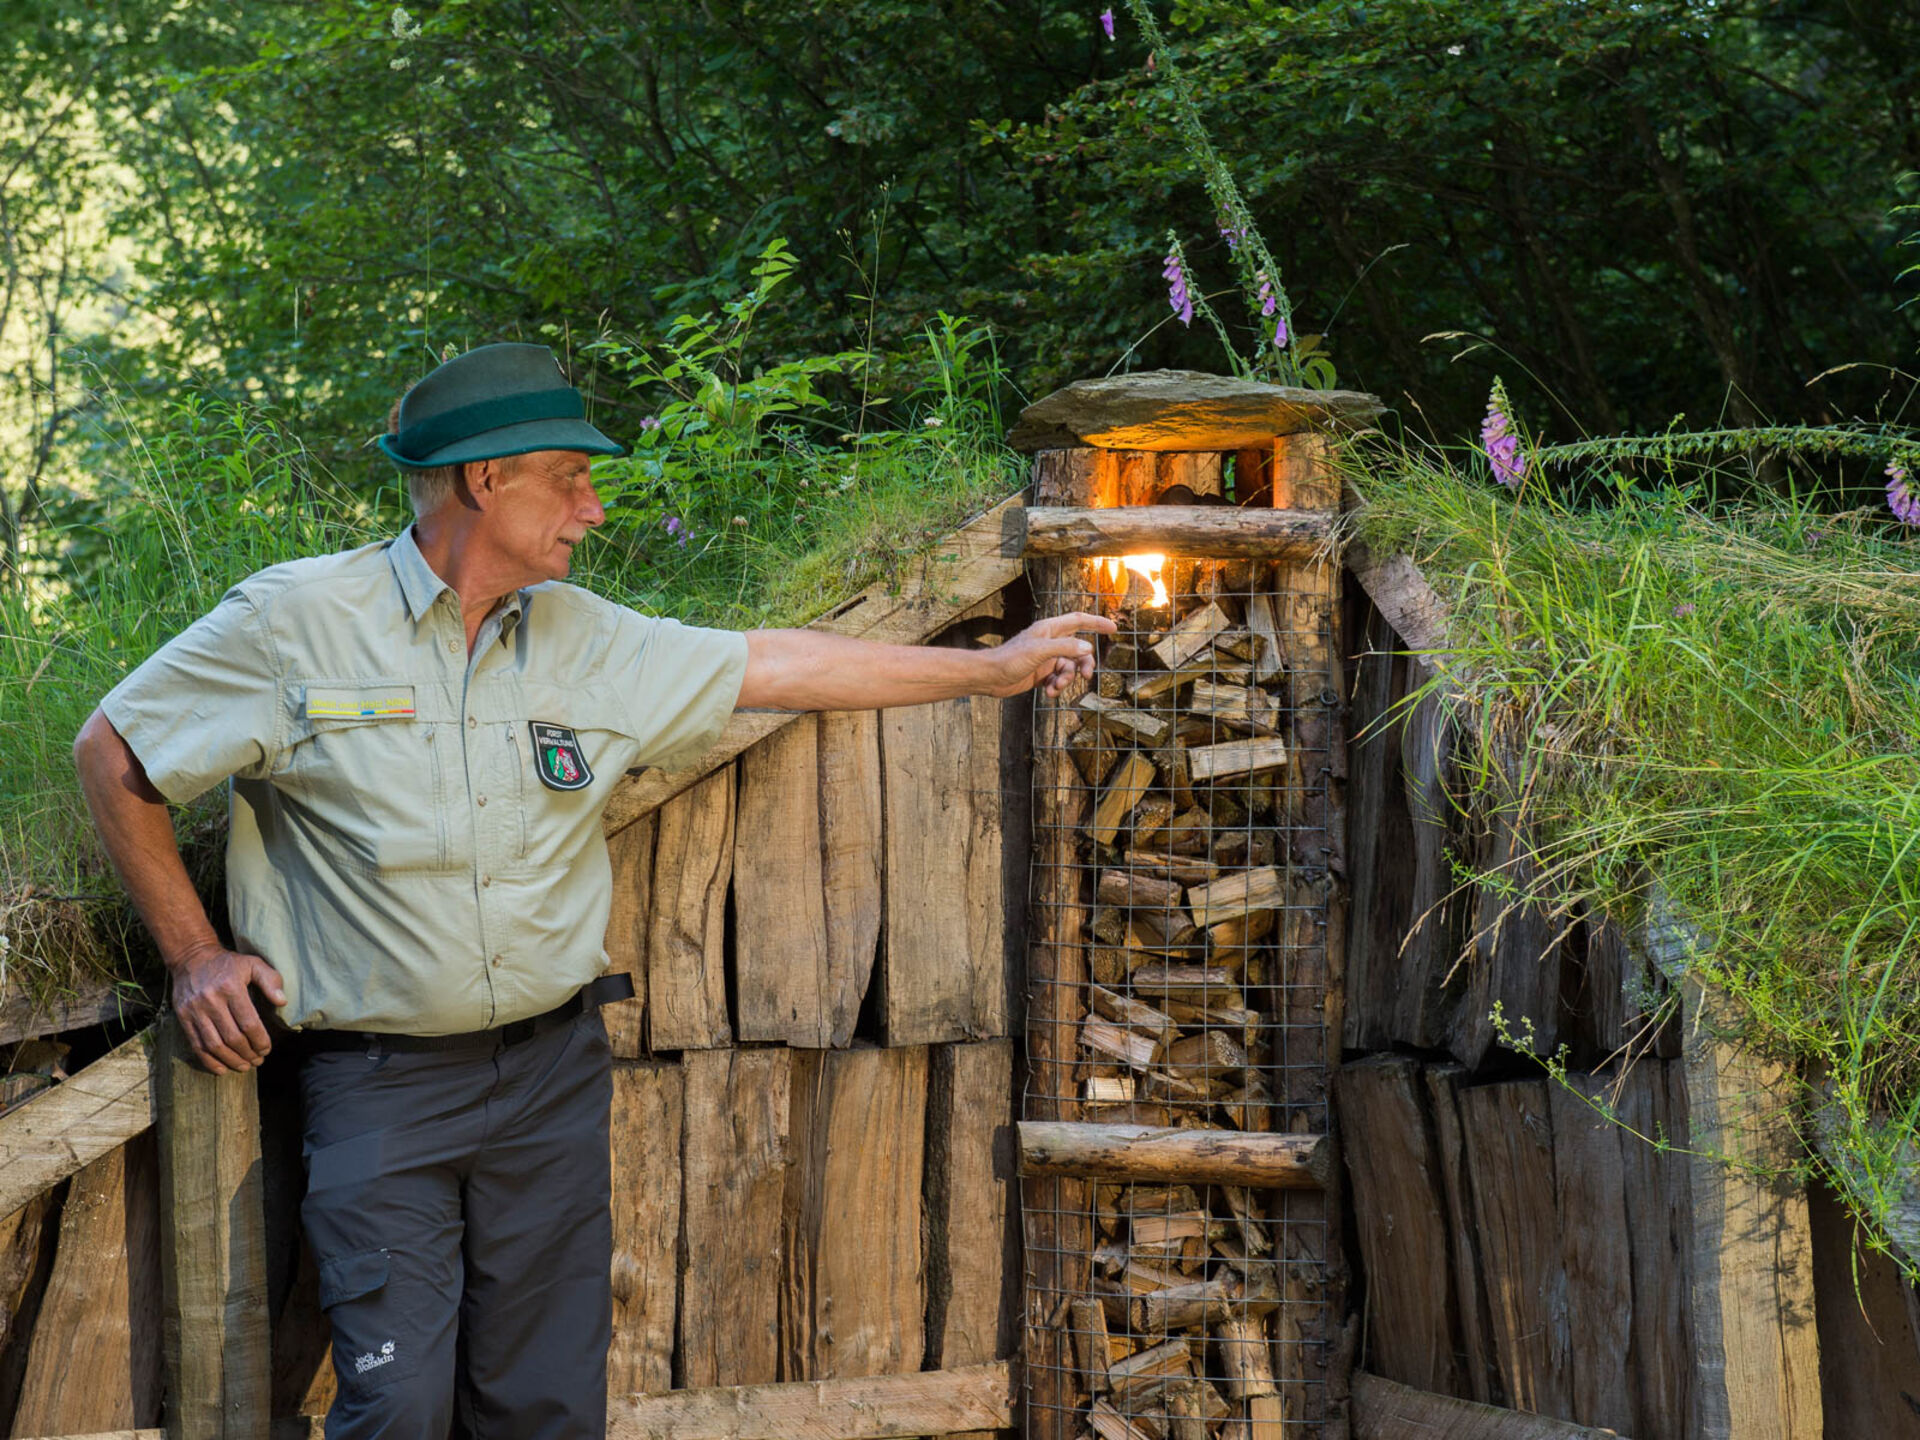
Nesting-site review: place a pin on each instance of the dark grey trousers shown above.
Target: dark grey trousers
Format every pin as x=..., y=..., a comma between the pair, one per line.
x=458, y=1206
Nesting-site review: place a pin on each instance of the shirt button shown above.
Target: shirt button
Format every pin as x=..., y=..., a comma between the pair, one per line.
x=471, y=722
x=453, y=647
x=496, y=961
x=486, y=880
x=483, y=800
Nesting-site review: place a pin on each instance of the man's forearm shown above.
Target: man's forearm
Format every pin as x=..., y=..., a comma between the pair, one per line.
x=137, y=832
x=817, y=670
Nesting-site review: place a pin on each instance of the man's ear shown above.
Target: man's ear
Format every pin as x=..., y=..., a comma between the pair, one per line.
x=480, y=482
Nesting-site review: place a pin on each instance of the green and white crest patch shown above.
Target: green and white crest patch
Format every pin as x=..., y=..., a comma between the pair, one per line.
x=558, y=757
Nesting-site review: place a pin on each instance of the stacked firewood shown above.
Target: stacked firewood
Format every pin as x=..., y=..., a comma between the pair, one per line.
x=1185, y=747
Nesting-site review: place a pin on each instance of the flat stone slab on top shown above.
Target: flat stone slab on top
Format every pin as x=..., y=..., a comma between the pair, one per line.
x=1186, y=410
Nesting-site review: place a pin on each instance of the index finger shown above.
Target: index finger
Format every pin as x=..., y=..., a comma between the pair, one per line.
x=1073, y=622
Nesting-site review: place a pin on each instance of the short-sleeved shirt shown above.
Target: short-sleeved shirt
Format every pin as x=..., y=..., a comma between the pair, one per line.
x=416, y=839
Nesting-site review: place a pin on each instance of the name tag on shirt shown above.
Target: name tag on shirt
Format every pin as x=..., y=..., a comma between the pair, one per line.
x=387, y=702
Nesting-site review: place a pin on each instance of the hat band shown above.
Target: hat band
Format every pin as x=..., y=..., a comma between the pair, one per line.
x=436, y=432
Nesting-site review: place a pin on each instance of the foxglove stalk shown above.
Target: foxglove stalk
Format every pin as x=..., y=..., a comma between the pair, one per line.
x=1106, y=21
x=1177, y=295
x=1900, y=497
x=1499, y=440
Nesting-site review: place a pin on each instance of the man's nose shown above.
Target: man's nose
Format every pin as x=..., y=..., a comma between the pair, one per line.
x=593, y=512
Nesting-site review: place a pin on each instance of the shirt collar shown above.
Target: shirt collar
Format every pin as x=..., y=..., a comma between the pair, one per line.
x=420, y=586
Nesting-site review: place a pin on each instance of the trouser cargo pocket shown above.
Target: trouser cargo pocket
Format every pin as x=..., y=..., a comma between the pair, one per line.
x=374, y=1345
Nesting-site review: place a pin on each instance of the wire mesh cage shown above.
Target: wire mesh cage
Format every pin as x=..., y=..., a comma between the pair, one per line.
x=1180, y=899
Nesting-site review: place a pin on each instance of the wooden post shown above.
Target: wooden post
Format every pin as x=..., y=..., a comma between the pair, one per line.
x=212, y=1248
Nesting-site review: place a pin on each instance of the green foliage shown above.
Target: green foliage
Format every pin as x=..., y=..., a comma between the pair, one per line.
x=1710, y=715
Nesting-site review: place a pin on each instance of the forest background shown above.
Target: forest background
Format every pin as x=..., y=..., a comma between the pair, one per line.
x=1644, y=209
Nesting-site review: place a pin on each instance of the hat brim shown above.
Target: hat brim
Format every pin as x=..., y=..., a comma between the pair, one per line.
x=522, y=439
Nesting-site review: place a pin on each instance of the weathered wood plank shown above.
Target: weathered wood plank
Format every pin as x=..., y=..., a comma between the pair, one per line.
x=1424, y=1002
x=1191, y=531
x=1399, y=1203
x=1383, y=1410
x=855, y=1297
x=686, y=927
x=1756, y=1348
x=94, y=1361
x=1160, y=410
x=783, y=988
x=938, y=1402
x=22, y=1017
x=631, y=855
x=1509, y=1144
x=213, y=1246
x=1444, y=1084
x=852, y=842
x=1659, y=1223
x=648, y=1118
x=73, y=1124
x=976, y=560
x=734, y=1159
x=26, y=1261
x=1870, y=1344
x=943, y=973
x=972, y=1257
x=1163, y=1153
x=1597, y=1251
x=1380, y=834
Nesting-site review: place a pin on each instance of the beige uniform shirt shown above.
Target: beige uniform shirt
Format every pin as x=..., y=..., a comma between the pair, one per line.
x=416, y=842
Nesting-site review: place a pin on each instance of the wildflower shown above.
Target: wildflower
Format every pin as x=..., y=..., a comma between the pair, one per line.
x=740, y=520
x=1456, y=49
x=651, y=422
x=1900, y=497
x=1280, y=333
x=933, y=422
x=1231, y=234
x=1498, y=439
x=1683, y=610
x=1106, y=21
x=679, y=530
x=1268, y=301
x=403, y=24
x=1177, y=296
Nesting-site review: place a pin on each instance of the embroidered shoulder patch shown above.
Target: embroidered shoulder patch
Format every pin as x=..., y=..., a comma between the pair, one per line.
x=558, y=757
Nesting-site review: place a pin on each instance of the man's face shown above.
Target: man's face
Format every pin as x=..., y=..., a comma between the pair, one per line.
x=544, y=507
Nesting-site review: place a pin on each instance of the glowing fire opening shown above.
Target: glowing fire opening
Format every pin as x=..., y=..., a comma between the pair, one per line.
x=1145, y=566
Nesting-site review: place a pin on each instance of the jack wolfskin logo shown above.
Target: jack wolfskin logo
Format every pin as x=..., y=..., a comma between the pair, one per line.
x=558, y=757
x=369, y=1362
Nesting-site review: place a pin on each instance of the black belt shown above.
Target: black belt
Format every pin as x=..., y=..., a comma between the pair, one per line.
x=604, y=991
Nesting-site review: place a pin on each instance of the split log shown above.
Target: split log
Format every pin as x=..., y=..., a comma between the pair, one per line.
x=212, y=1245
x=1109, y=1424
x=76, y=1122
x=1157, y=1025
x=1236, y=757
x=1216, y=532
x=686, y=930
x=649, y=1112
x=1196, y=1157
x=1090, y=1344
x=855, y=1298
x=1383, y=1410
x=734, y=1150
x=1126, y=725
x=936, y=1402
x=1108, y=1041
x=783, y=986
x=1244, y=1360
x=1191, y=635
x=1269, y=652
x=95, y=1359
x=630, y=855
x=1234, y=896
x=1124, y=791
x=1240, y=706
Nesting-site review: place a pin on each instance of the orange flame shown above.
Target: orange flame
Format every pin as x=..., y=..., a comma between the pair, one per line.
x=1146, y=566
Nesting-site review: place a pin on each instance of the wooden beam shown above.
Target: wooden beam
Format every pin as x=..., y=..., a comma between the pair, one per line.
x=936, y=1402
x=23, y=1017
x=1195, y=1157
x=648, y=1119
x=213, y=1243
x=62, y=1129
x=1220, y=532
x=976, y=560
x=1383, y=1410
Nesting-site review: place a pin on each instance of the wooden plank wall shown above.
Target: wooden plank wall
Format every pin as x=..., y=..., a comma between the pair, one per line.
x=1518, y=1248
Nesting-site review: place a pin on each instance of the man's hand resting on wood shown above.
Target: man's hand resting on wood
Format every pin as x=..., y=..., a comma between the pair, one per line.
x=1048, y=654
x=213, y=999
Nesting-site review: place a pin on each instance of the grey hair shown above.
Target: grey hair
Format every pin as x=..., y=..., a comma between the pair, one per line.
x=427, y=489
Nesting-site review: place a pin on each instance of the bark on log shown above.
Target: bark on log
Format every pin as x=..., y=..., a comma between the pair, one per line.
x=1195, y=1157
x=1219, y=532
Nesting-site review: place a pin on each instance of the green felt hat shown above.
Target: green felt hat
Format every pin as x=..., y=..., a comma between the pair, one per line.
x=495, y=400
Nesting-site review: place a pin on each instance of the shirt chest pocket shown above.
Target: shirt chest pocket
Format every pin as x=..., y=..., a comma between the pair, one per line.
x=568, y=749
x=368, y=769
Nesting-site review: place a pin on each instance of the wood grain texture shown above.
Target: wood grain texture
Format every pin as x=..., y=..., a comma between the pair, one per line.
x=1400, y=1208
x=943, y=975
x=852, y=849
x=1659, y=1218
x=854, y=1281
x=1444, y=1084
x=686, y=926
x=73, y=1124
x=22, y=1017
x=1383, y=1410
x=94, y=1363
x=213, y=1244
x=783, y=985
x=734, y=1164
x=648, y=1116
x=1509, y=1145
x=27, y=1240
x=1870, y=1335
x=1190, y=531
x=1756, y=1348
x=1180, y=410
x=908, y=608
x=1596, y=1251
x=631, y=855
x=939, y=1402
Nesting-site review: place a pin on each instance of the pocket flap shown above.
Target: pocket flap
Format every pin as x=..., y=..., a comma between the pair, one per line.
x=351, y=1276
x=359, y=702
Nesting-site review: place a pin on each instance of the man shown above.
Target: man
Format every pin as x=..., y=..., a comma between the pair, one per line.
x=421, y=736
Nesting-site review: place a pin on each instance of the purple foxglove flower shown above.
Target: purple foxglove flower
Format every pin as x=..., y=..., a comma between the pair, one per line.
x=1900, y=497
x=1268, y=301
x=1280, y=333
x=1498, y=439
x=1177, y=295
x=1106, y=21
